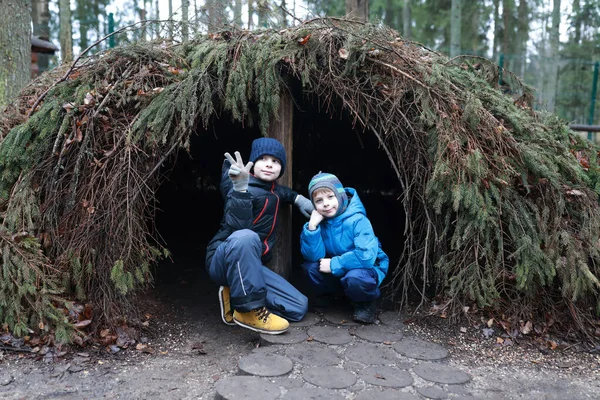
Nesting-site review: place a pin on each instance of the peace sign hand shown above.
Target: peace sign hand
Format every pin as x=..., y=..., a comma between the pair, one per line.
x=238, y=172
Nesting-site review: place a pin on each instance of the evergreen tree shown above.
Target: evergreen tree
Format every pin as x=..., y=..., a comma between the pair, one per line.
x=15, y=49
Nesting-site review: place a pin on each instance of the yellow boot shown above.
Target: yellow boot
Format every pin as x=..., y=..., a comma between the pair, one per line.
x=225, y=303
x=261, y=320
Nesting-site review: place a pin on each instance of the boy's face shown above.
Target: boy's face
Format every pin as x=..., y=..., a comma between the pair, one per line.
x=326, y=203
x=267, y=168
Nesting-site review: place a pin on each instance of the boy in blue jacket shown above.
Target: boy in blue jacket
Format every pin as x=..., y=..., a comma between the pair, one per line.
x=340, y=248
x=251, y=295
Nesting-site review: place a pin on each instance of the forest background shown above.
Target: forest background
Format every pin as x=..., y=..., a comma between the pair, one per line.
x=553, y=45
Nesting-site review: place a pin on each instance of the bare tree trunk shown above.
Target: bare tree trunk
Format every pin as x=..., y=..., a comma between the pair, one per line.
x=357, y=10
x=522, y=37
x=263, y=7
x=15, y=48
x=40, y=15
x=283, y=14
x=237, y=13
x=143, y=18
x=507, y=37
x=171, y=27
x=553, y=57
x=250, y=14
x=406, y=20
x=496, y=30
x=65, y=31
x=455, y=28
x=185, y=34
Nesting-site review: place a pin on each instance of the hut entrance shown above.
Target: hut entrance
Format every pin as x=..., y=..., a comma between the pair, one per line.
x=190, y=205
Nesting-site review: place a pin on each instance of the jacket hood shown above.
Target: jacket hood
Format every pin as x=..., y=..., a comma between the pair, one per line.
x=355, y=206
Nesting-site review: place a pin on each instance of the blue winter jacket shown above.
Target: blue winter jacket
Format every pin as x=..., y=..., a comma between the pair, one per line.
x=347, y=239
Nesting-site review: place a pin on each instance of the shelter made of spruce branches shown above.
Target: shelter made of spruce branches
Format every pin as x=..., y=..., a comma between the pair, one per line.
x=500, y=202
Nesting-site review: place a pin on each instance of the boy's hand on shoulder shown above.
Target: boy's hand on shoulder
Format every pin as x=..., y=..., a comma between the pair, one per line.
x=325, y=265
x=238, y=172
x=315, y=220
x=304, y=205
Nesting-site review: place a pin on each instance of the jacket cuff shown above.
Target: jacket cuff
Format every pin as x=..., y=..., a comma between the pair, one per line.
x=241, y=195
x=308, y=232
x=336, y=267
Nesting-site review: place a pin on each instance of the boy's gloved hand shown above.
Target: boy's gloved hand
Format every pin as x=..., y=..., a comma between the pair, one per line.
x=304, y=205
x=238, y=172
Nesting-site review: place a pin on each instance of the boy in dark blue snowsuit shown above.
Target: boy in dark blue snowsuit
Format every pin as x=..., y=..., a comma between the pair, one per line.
x=251, y=295
x=340, y=249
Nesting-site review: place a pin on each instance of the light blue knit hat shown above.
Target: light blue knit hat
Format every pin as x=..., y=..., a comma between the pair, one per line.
x=329, y=181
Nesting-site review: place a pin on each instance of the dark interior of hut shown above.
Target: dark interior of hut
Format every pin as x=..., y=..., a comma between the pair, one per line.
x=190, y=205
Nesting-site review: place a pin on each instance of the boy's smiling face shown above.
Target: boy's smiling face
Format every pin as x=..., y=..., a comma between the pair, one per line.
x=267, y=168
x=326, y=202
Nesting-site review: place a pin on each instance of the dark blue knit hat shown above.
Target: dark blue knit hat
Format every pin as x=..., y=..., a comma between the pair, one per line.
x=329, y=181
x=268, y=146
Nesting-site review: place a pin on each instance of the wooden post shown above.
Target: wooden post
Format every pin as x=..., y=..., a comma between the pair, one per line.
x=281, y=128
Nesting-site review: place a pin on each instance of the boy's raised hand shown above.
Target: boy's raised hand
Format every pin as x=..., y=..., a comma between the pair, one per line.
x=315, y=220
x=304, y=205
x=238, y=172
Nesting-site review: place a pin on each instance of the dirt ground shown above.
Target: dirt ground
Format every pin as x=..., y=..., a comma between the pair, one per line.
x=191, y=349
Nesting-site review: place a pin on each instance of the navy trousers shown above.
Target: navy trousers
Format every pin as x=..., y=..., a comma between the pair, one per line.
x=359, y=285
x=237, y=264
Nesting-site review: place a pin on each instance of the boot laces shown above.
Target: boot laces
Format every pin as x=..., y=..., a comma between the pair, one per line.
x=263, y=313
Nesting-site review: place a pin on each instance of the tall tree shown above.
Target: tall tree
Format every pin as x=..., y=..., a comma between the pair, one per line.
x=497, y=29
x=250, y=14
x=553, y=57
x=15, y=48
x=40, y=16
x=406, y=20
x=66, y=31
x=455, y=28
x=185, y=33
x=521, y=38
x=508, y=7
x=171, y=23
x=358, y=9
x=262, y=8
x=237, y=13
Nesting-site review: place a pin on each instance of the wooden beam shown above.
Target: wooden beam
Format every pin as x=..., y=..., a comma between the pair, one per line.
x=281, y=127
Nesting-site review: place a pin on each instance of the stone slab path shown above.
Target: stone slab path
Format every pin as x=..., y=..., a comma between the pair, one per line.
x=329, y=356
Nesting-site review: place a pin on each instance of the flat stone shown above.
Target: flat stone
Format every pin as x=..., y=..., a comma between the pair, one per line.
x=265, y=364
x=340, y=317
x=432, y=392
x=247, y=388
x=378, y=333
x=420, y=349
x=386, y=376
x=285, y=382
x=290, y=337
x=313, y=354
x=371, y=354
x=309, y=319
x=392, y=318
x=312, y=394
x=329, y=334
x=440, y=373
x=329, y=377
x=376, y=394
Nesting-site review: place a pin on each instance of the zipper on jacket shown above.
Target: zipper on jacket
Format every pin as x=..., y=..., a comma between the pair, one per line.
x=261, y=211
x=274, y=220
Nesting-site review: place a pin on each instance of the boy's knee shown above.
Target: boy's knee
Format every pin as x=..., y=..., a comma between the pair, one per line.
x=360, y=279
x=300, y=309
x=244, y=236
x=309, y=266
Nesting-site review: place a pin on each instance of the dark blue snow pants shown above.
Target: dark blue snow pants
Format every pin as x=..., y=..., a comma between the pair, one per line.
x=237, y=264
x=359, y=285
